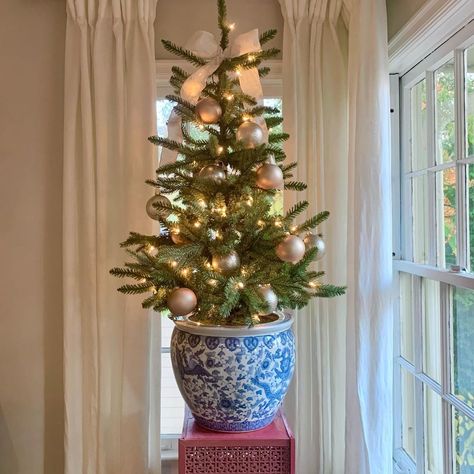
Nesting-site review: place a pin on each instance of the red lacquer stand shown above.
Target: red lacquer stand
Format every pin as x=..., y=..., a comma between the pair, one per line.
x=270, y=450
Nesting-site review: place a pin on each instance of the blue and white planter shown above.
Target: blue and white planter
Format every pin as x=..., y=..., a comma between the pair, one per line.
x=233, y=379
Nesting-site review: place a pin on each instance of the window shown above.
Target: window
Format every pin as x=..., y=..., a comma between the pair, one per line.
x=172, y=404
x=434, y=264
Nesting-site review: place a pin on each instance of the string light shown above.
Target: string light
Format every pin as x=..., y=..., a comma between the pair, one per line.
x=251, y=57
x=174, y=264
x=294, y=228
x=142, y=280
x=245, y=118
x=185, y=272
x=249, y=201
x=313, y=284
x=232, y=26
x=201, y=126
x=208, y=265
x=212, y=282
x=278, y=223
x=202, y=203
x=260, y=223
x=154, y=290
x=238, y=72
x=220, y=149
x=229, y=96
x=197, y=224
x=240, y=285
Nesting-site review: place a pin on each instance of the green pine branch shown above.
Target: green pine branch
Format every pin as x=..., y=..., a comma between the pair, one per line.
x=183, y=53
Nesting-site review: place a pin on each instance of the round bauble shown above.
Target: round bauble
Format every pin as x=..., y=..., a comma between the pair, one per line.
x=208, y=110
x=269, y=176
x=250, y=135
x=155, y=213
x=291, y=249
x=226, y=264
x=315, y=241
x=215, y=173
x=178, y=238
x=270, y=298
x=181, y=301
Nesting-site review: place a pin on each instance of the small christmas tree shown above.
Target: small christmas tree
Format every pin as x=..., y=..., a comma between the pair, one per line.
x=223, y=253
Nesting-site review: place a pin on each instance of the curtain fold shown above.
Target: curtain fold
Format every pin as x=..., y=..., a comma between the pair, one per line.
x=335, y=76
x=109, y=113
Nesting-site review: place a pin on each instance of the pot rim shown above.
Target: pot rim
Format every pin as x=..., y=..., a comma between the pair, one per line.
x=284, y=322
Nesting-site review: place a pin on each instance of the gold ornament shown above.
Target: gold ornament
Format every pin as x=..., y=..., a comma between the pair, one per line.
x=269, y=176
x=208, y=110
x=250, y=135
x=226, y=264
x=155, y=213
x=270, y=298
x=291, y=249
x=215, y=173
x=178, y=238
x=315, y=241
x=181, y=301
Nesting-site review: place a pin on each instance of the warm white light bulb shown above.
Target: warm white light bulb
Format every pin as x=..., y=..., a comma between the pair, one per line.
x=232, y=26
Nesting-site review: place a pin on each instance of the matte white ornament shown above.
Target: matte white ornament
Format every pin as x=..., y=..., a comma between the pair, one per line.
x=269, y=176
x=270, y=298
x=181, y=301
x=315, y=241
x=250, y=135
x=291, y=249
x=208, y=110
x=215, y=173
x=155, y=213
x=226, y=264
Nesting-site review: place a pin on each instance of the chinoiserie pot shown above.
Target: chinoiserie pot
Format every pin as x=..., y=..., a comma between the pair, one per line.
x=233, y=378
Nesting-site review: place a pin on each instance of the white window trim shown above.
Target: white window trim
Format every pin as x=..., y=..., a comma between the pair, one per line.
x=414, y=71
x=431, y=26
x=272, y=86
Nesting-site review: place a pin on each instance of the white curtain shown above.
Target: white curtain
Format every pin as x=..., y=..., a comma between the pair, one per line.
x=336, y=109
x=109, y=113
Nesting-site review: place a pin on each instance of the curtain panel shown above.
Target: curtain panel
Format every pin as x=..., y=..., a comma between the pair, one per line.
x=336, y=108
x=109, y=113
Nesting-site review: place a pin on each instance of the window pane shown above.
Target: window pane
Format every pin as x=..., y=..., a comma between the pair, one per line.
x=446, y=216
x=420, y=219
x=463, y=441
x=167, y=327
x=444, y=112
x=419, y=152
x=469, y=88
x=463, y=343
x=431, y=329
x=406, y=318
x=408, y=413
x=470, y=211
x=172, y=404
x=433, y=432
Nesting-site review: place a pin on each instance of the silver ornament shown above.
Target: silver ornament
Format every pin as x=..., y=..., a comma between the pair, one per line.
x=215, y=173
x=291, y=249
x=208, y=110
x=226, y=264
x=270, y=298
x=178, y=238
x=315, y=241
x=181, y=301
x=155, y=213
x=269, y=176
x=250, y=135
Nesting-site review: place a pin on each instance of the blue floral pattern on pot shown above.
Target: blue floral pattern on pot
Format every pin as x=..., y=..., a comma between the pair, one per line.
x=233, y=383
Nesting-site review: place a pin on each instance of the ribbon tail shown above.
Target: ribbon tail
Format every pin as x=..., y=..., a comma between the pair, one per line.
x=196, y=82
x=250, y=83
x=174, y=133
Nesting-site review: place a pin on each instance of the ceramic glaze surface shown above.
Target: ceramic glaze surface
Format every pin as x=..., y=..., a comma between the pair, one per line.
x=233, y=383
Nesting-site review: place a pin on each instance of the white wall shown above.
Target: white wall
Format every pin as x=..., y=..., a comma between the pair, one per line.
x=399, y=12
x=177, y=20
x=31, y=126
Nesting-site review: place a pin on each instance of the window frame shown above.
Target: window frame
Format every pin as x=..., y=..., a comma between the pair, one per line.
x=400, y=88
x=272, y=85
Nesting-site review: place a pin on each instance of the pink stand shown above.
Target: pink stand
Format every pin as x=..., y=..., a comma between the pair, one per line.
x=270, y=450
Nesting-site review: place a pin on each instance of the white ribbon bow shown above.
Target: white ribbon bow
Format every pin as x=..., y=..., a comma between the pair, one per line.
x=205, y=45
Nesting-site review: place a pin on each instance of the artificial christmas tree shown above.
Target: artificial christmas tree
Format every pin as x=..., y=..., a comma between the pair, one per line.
x=224, y=257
